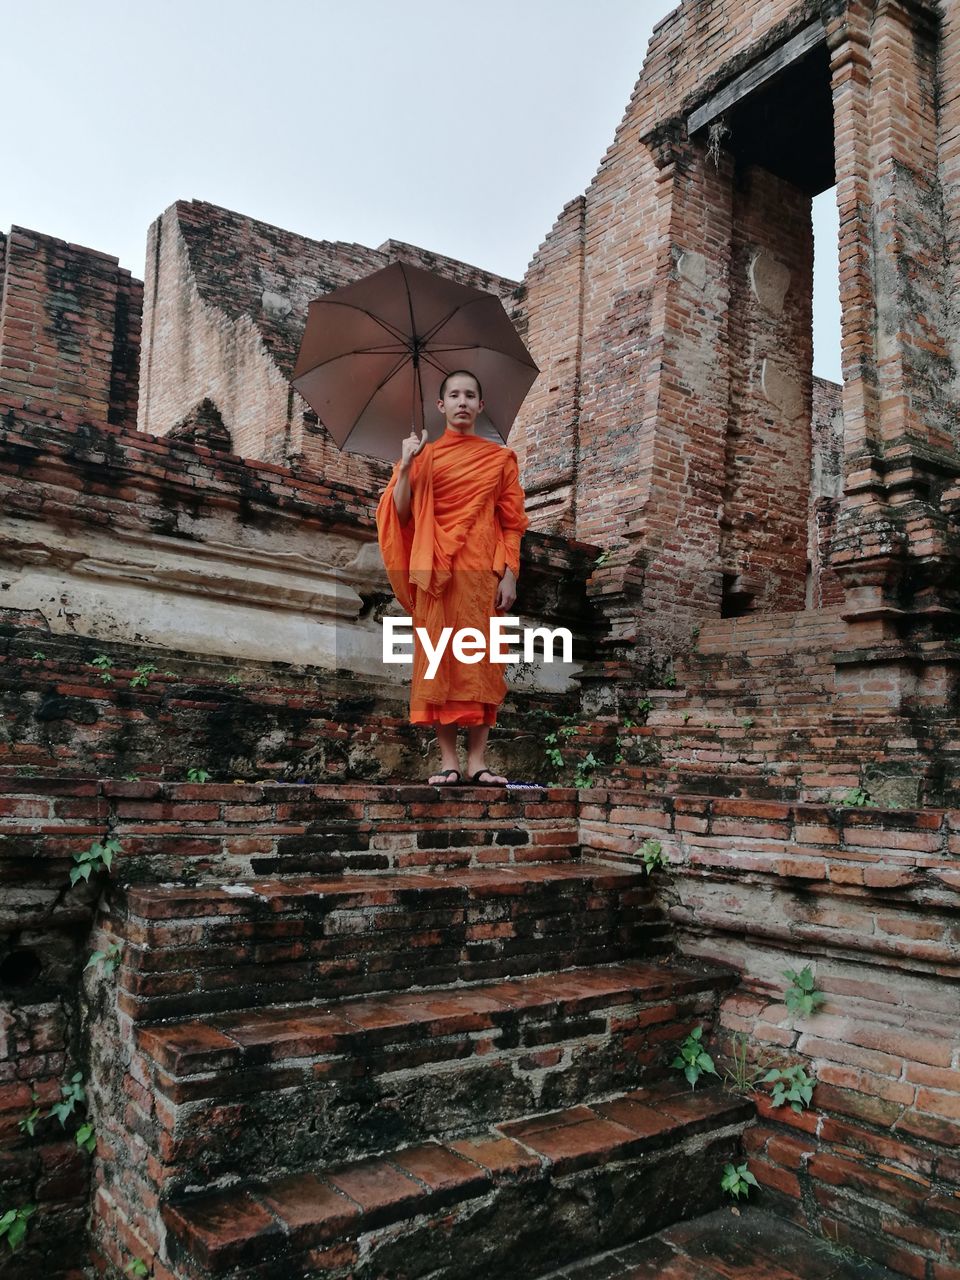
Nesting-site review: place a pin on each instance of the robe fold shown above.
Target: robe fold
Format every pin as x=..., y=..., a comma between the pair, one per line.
x=466, y=521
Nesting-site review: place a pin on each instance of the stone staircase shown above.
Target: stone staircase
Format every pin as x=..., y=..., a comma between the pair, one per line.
x=456, y=1065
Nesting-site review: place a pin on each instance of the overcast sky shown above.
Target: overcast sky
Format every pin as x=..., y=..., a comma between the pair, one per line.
x=460, y=127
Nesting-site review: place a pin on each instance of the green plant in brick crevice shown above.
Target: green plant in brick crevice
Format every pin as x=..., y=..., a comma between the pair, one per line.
x=586, y=768
x=39, y=655
x=651, y=851
x=198, y=775
x=99, y=857
x=141, y=675
x=109, y=959
x=86, y=1138
x=743, y=1075
x=136, y=1268
x=855, y=797
x=73, y=1095
x=28, y=1124
x=693, y=1060
x=746, y=722
x=802, y=995
x=737, y=1180
x=791, y=1084
x=13, y=1225
x=103, y=664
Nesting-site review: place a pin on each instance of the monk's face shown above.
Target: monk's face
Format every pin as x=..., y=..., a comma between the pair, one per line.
x=461, y=402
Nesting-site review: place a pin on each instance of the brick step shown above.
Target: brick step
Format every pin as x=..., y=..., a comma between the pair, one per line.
x=720, y=1245
x=392, y=1070
x=198, y=949
x=513, y=1199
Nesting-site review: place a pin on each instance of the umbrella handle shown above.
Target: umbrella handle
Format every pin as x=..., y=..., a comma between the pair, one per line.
x=408, y=458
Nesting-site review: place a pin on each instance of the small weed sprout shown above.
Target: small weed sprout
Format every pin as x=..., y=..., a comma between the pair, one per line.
x=802, y=995
x=233, y=679
x=692, y=1059
x=742, y=1075
x=746, y=722
x=71, y=1096
x=791, y=1084
x=141, y=677
x=651, y=851
x=103, y=663
x=198, y=775
x=737, y=1180
x=39, y=655
x=131, y=777
x=13, y=1225
x=855, y=797
x=28, y=1124
x=583, y=776
x=99, y=857
x=87, y=1138
x=137, y=1268
x=109, y=959
x=601, y=559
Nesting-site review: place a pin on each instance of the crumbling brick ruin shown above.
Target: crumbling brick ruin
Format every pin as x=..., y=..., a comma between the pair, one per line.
x=330, y=1022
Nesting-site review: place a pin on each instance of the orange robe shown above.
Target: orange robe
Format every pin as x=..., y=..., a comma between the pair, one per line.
x=466, y=521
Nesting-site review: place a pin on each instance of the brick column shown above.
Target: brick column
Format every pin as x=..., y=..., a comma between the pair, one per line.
x=894, y=550
x=687, y=397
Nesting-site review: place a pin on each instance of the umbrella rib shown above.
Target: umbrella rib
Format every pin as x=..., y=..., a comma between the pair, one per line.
x=343, y=355
x=379, y=387
x=461, y=306
x=384, y=324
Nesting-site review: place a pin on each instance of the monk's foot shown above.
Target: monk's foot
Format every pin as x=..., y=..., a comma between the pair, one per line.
x=484, y=777
x=445, y=778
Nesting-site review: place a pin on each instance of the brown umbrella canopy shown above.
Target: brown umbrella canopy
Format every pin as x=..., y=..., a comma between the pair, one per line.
x=374, y=354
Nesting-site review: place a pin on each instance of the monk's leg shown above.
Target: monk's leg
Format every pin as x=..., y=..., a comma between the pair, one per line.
x=447, y=740
x=477, y=735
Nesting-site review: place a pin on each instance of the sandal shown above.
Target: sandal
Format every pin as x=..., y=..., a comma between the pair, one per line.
x=475, y=779
x=442, y=773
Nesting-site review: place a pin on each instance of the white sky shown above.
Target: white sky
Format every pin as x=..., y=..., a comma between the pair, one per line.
x=460, y=127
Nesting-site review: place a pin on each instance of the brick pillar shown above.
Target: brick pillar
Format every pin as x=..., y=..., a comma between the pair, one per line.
x=547, y=432
x=895, y=551
x=687, y=397
x=69, y=331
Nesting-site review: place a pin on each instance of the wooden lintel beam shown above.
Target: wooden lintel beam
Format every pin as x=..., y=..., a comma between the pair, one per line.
x=745, y=83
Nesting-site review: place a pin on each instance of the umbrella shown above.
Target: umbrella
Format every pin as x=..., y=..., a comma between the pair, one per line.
x=375, y=352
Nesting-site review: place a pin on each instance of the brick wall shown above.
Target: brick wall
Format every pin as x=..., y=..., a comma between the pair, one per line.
x=767, y=481
x=69, y=330
x=868, y=899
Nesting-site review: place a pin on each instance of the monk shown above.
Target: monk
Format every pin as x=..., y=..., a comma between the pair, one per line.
x=450, y=523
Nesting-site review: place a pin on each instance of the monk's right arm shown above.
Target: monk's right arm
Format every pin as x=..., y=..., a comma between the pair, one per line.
x=401, y=494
